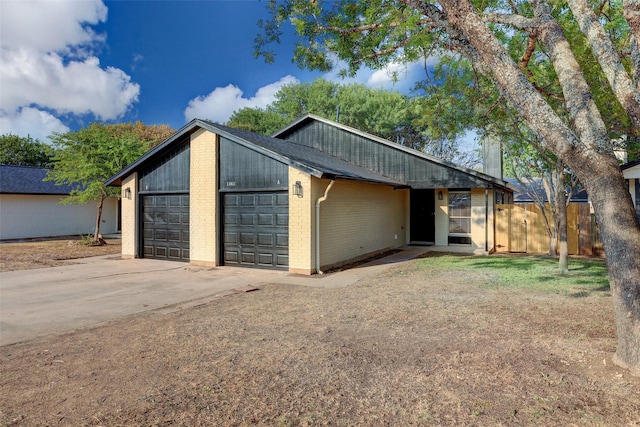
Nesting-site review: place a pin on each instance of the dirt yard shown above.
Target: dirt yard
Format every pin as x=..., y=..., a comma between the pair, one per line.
x=412, y=346
x=50, y=253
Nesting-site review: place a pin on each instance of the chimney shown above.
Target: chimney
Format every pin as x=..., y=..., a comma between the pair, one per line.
x=492, y=156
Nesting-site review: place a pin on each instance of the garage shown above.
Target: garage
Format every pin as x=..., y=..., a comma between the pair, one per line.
x=256, y=229
x=165, y=226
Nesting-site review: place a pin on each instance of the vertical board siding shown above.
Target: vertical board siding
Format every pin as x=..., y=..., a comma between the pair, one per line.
x=418, y=172
x=244, y=169
x=169, y=173
x=521, y=228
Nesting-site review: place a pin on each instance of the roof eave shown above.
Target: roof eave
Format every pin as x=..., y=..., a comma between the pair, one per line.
x=487, y=178
x=116, y=180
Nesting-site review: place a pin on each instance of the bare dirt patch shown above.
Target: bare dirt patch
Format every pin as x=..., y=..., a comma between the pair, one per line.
x=50, y=253
x=411, y=346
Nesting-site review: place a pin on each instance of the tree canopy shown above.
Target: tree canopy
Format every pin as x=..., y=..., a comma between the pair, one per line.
x=86, y=158
x=568, y=70
x=388, y=114
x=24, y=151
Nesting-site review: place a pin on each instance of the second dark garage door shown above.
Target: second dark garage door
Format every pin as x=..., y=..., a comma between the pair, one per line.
x=256, y=229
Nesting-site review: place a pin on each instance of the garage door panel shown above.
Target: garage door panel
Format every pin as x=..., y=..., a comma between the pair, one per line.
x=230, y=219
x=282, y=240
x=165, y=228
x=247, y=200
x=256, y=229
x=265, y=239
x=265, y=199
x=247, y=258
x=282, y=261
x=230, y=238
x=265, y=259
x=282, y=220
x=247, y=238
x=247, y=219
x=266, y=219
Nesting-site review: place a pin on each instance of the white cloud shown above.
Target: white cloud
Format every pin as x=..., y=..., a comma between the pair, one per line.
x=31, y=121
x=47, y=26
x=220, y=104
x=395, y=74
x=47, y=64
x=79, y=87
x=407, y=75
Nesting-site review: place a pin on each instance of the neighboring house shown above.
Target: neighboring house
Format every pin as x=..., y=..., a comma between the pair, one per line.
x=631, y=172
x=316, y=195
x=534, y=186
x=30, y=207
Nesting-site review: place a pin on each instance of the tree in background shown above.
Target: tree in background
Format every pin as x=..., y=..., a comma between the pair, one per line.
x=387, y=114
x=24, y=151
x=511, y=44
x=86, y=158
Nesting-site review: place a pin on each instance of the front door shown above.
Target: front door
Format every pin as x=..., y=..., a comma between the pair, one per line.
x=423, y=216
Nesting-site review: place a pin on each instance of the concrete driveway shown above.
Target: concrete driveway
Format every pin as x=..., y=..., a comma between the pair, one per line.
x=91, y=291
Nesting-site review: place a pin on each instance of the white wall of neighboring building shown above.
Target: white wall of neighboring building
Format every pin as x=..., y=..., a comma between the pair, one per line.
x=632, y=173
x=26, y=216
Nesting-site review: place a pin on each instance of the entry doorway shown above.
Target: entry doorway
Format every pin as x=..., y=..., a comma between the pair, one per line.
x=423, y=217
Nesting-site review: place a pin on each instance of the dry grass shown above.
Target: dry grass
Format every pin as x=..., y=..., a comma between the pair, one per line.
x=412, y=346
x=50, y=253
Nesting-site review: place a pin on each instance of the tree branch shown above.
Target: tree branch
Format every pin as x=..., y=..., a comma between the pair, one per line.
x=517, y=21
x=607, y=55
x=526, y=57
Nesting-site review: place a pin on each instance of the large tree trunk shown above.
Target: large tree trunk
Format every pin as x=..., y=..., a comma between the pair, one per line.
x=587, y=153
x=620, y=236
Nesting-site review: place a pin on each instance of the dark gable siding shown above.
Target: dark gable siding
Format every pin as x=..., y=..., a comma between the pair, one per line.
x=170, y=172
x=417, y=172
x=242, y=169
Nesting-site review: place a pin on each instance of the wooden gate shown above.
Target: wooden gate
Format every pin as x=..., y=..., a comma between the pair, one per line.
x=521, y=228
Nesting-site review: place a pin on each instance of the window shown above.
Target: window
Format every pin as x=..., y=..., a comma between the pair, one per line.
x=460, y=217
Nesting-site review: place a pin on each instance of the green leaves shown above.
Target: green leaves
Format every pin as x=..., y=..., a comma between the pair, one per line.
x=24, y=151
x=88, y=157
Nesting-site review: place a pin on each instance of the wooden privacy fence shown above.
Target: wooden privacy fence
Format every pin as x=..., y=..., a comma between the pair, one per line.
x=521, y=228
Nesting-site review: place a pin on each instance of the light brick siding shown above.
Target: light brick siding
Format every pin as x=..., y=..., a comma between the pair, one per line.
x=478, y=219
x=442, y=218
x=129, y=217
x=203, y=200
x=359, y=219
x=301, y=225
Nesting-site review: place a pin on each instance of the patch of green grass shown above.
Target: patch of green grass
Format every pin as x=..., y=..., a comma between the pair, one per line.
x=536, y=273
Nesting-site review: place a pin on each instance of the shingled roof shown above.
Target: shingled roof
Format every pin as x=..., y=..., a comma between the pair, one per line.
x=29, y=180
x=310, y=160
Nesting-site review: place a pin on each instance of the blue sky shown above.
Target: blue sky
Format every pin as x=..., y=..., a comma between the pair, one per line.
x=66, y=64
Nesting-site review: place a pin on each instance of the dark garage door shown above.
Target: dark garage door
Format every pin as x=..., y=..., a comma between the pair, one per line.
x=256, y=229
x=165, y=227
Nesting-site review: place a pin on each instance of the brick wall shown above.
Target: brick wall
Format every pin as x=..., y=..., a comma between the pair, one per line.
x=204, y=217
x=478, y=219
x=360, y=219
x=442, y=218
x=129, y=217
x=301, y=225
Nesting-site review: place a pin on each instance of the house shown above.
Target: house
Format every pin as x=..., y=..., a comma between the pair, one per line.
x=30, y=207
x=315, y=195
x=631, y=172
x=532, y=191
